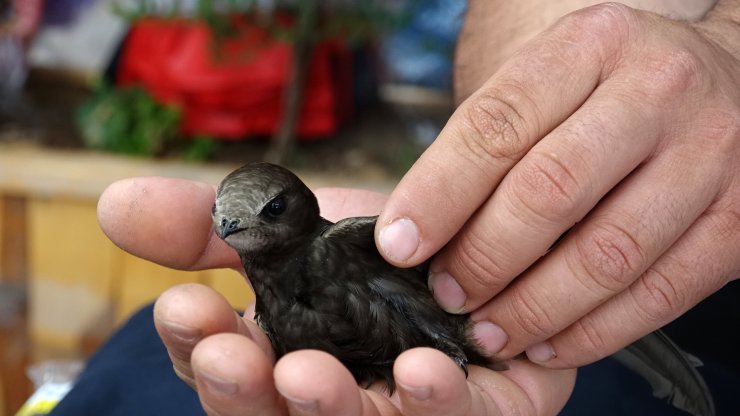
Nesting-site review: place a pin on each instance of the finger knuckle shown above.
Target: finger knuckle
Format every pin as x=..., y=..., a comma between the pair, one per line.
x=528, y=314
x=546, y=186
x=723, y=217
x=605, y=14
x=658, y=297
x=672, y=72
x=731, y=217
x=473, y=258
x=588, y=338
x=719, y=127
x=492, y=128
x=609, y=257
x=606, y=21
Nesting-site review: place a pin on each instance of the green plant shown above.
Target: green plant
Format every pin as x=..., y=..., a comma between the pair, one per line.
x=199, y=148
x=127, y=120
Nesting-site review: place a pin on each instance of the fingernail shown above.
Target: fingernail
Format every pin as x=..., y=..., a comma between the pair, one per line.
x=491, y=337
x=541, y=353
x=184, y=333
x=218, y=385
x=399, y=239
x=420, y=393
x=448, y=293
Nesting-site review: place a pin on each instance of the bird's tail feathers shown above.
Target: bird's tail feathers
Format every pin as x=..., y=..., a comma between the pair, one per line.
x=671, y=372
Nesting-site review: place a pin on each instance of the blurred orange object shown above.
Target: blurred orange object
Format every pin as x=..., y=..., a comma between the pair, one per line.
x=233, y=87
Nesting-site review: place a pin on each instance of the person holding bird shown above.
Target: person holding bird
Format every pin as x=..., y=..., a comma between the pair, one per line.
x=617, y=123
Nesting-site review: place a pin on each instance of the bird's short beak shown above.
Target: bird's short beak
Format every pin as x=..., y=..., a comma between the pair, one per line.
x=228, y=227
x=224, y=232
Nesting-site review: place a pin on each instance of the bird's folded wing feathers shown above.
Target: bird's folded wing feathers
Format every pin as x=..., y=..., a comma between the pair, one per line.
x=356, y=230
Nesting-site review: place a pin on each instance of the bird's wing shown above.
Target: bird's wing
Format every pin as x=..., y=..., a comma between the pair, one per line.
x=670, y=371
x=373, y=291
x=357, y=231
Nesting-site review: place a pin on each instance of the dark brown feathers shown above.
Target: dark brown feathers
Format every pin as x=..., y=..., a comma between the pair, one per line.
x=325, y=286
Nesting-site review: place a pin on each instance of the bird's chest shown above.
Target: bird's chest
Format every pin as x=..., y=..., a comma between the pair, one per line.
x=295, y=309
x=334, y=306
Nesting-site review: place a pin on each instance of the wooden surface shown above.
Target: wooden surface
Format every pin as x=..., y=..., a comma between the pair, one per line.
x=85, y=174
x=14, y=345
x=80, y=285
x=72, y=267
x=26, y=169
x=13, y=240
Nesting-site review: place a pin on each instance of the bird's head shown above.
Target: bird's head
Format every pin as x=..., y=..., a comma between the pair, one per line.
x=263, y=208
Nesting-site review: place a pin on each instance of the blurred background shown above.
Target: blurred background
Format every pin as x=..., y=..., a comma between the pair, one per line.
x=344, y=92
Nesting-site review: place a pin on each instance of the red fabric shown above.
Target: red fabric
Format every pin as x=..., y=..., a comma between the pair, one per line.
x=234, y=88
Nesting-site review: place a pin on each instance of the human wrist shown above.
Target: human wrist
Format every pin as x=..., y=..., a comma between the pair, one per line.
x=492, y=31
x=495, y=29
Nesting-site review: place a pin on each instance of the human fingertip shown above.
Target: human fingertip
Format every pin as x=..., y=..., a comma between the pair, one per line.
x=429, y=382
x=110, y=202
x=447, y=292
x=220, y=359
x=315, y=382
x=541, y=353
x=491, y=337
x=186, y=314
x=399, y=239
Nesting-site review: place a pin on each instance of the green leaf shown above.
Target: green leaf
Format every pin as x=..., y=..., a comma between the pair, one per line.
x=199, y=149
x=127, y=120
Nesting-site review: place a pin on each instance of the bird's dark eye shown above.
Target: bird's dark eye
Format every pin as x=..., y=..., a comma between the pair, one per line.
x=276, y=207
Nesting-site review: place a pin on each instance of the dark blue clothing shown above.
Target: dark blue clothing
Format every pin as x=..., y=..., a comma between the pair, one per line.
x=132, y=374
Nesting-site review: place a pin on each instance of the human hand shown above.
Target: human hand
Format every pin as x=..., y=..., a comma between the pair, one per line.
x=229, y=360
x=622, y=122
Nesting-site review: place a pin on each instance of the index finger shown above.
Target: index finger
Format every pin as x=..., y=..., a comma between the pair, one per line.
x=535, y=91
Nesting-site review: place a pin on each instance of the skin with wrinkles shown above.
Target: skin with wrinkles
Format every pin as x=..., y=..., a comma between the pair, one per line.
x=324, y=286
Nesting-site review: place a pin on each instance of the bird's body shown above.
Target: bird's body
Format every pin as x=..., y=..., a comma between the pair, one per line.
x=325, y=286
x=338, y=295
